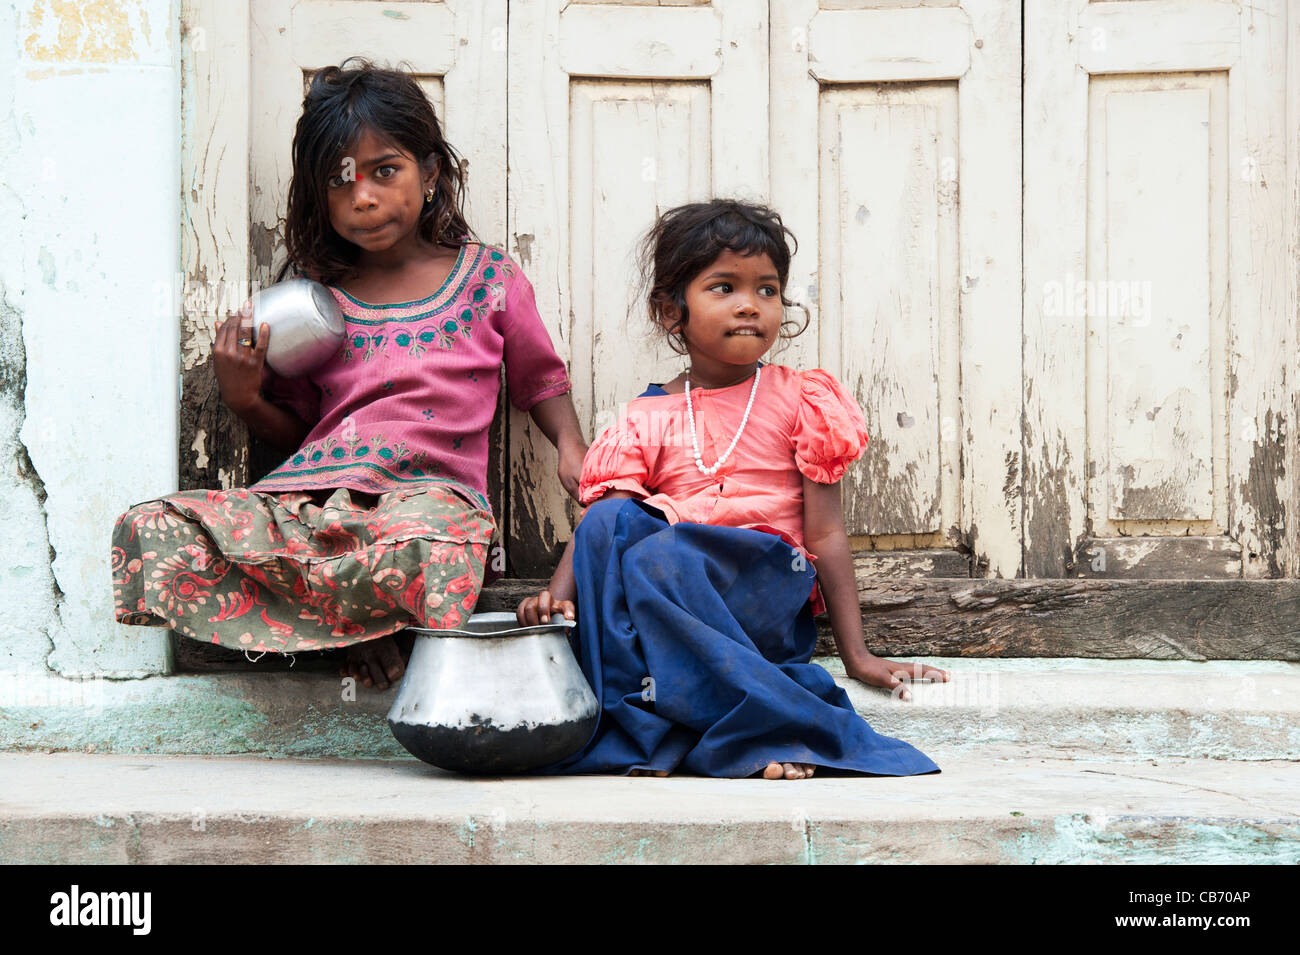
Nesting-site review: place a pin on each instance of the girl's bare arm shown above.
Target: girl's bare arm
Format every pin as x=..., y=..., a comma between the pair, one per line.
x=559, y=422
x=825, y=536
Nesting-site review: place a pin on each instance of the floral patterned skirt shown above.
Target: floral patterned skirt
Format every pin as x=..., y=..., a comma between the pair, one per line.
x=303, y=570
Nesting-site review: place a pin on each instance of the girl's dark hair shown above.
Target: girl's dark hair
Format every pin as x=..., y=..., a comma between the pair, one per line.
x=343, y=101
x=686, y=240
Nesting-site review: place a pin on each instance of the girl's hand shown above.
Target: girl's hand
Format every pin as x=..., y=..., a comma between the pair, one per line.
x=572, y=453
x=891, y=675
x=535, y=611
x=238, y=362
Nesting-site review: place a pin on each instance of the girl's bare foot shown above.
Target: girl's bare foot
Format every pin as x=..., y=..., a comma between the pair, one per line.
x=789, y=771
x=648, y=772
x=378, y=662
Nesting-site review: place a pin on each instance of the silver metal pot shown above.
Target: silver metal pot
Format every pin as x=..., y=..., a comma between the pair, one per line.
x=493, y=697
x=306, y=325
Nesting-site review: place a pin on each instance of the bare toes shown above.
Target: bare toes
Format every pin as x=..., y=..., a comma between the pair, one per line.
x=773, y=771
x=390, y=658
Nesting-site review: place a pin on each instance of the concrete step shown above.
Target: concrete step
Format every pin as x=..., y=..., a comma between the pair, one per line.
x=988, y=805
x=1112, y=709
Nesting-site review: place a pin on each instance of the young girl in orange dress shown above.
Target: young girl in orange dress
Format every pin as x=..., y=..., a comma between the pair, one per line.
x=378, y=518
x=715, y=533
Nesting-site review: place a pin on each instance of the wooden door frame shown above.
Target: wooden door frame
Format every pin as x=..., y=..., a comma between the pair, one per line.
x=215, y=248
x=1292, y=350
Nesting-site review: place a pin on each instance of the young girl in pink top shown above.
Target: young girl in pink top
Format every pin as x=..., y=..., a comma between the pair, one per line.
x=716, y=532
x=378, y=518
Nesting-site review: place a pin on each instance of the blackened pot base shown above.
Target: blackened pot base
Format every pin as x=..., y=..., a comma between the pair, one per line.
x=487, y=750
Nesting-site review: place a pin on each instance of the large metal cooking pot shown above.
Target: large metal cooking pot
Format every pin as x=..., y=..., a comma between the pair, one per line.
x=492, y=697
x=307, y=325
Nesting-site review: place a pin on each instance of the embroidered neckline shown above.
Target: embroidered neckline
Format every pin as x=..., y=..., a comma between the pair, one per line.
x=446, y=283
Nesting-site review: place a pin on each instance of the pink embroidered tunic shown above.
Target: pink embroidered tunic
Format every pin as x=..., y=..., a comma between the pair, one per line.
x=803, y=424
x=410, y=396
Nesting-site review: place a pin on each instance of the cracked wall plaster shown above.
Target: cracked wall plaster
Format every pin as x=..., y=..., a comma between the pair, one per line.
x=90, y=204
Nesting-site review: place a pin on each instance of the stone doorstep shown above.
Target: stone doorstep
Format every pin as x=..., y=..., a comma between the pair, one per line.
x=1119, y=709
x=988, y=805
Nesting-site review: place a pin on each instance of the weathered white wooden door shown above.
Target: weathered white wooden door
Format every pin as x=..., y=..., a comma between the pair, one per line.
x=1156, y=289
x=1030, y=414
x=616, y=111
x=896, y=160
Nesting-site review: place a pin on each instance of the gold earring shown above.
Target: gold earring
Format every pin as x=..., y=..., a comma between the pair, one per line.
x=428, y=196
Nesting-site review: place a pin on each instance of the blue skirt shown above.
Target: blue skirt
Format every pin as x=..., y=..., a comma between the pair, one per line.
x=696, y=640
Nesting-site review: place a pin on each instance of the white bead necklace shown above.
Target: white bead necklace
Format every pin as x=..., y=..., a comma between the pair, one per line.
x=695, y=441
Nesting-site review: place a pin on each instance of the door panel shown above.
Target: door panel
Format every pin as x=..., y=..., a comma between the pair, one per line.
x=620, y=132
x=1154, y=417
x=1154, y=395
x=890, y=315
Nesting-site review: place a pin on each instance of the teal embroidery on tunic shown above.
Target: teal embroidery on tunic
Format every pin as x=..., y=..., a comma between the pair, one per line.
x=460, y=257
x=331, y=454
x=414, y=475
x=481, y=290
